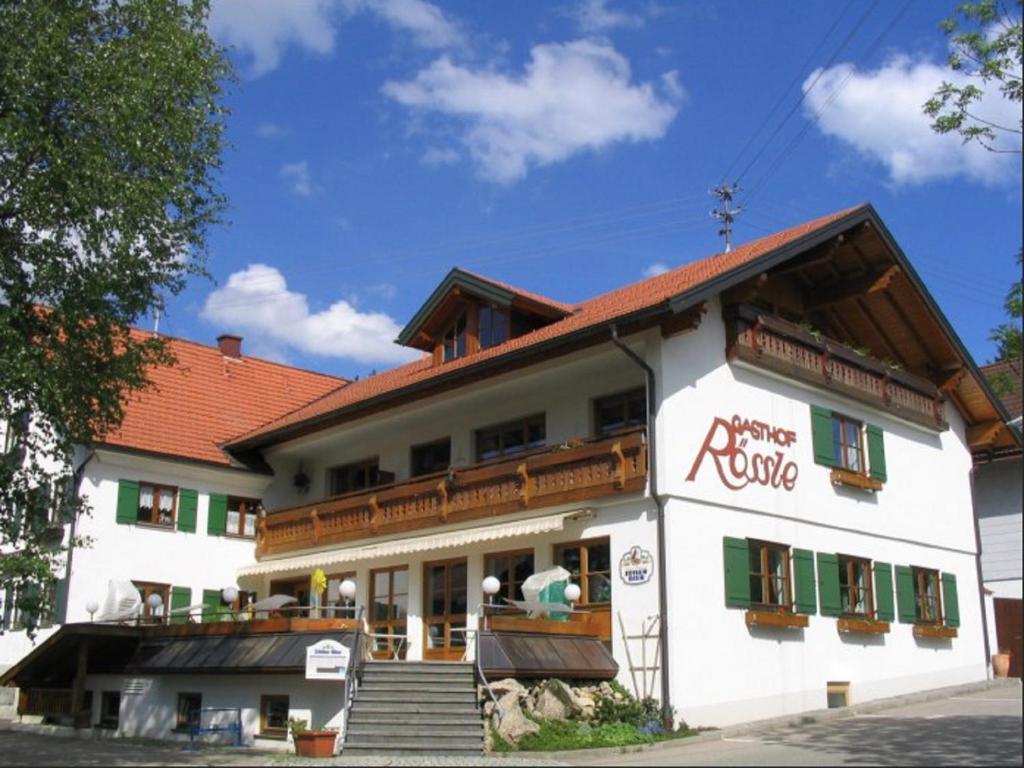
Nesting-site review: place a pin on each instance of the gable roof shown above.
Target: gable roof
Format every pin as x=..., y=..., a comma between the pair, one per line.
x=206, y=398
x=1006, y=377
x=650, y=296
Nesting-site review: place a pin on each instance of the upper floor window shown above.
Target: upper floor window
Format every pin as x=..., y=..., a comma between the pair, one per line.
x=453, y=343
x=493, y=327
x=431, y=457
x=357, y=476
x=620, y=411
x=157, y=504
x=847, y=443
x=511, y=437
x=769, y=575
x=926, y=596
x=855, y=588
x=241, y=517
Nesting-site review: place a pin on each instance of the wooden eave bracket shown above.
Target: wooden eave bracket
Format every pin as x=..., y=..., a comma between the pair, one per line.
x=524, y=478
x=442, y=491
x=375, y=514
x=984, y=434
x=682, y=322
x=853, y=289
x=317, y=525
x=620, y=465
x=947, y=381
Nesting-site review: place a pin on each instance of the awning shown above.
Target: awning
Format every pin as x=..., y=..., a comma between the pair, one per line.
x=408, y=545
x=527, y=654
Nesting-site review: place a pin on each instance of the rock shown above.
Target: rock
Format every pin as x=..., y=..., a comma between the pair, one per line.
x=555, y=701
x=513, y=725
x=507, y=685
x=585, y=703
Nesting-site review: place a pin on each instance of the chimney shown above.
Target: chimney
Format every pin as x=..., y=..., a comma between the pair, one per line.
x=230, y=345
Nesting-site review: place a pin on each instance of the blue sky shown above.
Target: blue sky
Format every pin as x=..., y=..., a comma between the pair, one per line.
x=568, y=148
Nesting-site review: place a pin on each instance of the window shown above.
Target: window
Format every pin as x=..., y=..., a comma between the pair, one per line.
x=356, y=476
x=189, y=705
x=513, y=437
x=453, y=343
x=431, y=457
x=274, y=717
x=855, y=587
x=926, y=596
x=511, y=569
x=493, y=328
x=157, y=504
x=242, y=515
x=110, y=709
x=389, y=610
x=590, y=565
x=45, y=597
x=621, y=411
x=847, y=443
x=147, y=588
x=769, y=575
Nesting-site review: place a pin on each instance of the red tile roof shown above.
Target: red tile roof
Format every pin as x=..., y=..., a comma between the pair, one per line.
x=1005, y=379
x=206, y=398
x=530, y=296
x=598, y=311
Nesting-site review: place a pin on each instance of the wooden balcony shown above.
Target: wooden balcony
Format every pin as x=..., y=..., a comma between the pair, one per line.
x=796, y=352
x=562, y=475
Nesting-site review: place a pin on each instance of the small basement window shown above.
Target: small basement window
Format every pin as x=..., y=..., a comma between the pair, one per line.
x=189, y=705
x=838, y=694
x=274, y=717
x=110, y=709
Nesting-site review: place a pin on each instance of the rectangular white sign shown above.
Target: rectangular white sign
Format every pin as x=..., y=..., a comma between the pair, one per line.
x=327, y=660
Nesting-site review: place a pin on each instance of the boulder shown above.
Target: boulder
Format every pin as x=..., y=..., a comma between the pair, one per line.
x=513, y=725
x=555, y=702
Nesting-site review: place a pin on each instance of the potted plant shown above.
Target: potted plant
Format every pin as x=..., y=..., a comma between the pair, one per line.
x=311, y=743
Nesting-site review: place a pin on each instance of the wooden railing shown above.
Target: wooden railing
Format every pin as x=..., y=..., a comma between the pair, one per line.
x=46, y=702
x=784, y=347
x=574, y=472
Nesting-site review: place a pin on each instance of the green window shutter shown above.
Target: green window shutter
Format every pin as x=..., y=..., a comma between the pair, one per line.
x=805, y=599
x=737, y=572
x=188, y=501
x=905, y=604
x=821, y=431
x=885, y=610
x=211, y=605
x=828, y=584
x=950, y=600
x=217, y=522
x=127, y=501
x=181, y=597
x=876, y=453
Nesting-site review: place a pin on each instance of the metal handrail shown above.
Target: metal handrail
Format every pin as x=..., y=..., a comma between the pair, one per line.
x=478, y=664
x=398, y=648
x=351, y=682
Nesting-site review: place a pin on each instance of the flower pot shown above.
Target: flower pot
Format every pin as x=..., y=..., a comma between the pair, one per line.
x=315, y=743
x=1001, y=664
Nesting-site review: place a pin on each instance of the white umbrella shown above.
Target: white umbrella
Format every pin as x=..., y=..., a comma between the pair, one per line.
x=274, y=603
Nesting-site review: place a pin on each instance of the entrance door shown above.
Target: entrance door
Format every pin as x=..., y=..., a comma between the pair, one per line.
x=444, y=603
x=1009, y=618
x=389, y=606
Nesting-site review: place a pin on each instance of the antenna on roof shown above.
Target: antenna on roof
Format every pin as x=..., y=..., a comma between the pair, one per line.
x=156, y=323
x=726, y=193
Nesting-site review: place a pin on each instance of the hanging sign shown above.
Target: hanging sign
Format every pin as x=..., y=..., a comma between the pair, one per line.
x=747, y=452
x=636, y=566
x=327, y=660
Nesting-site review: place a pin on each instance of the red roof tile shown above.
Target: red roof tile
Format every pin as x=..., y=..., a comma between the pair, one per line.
x=1006, y=381
x=206, y=398
x=593, y=312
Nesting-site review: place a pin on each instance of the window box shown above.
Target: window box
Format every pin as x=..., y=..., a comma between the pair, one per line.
x=863, y=626
x=934, y=630
x=855, y=480
x=756, y=618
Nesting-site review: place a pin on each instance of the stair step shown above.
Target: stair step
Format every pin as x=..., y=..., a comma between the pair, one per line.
x=417, y=669
x=415, y=693
x=467, y=730
x=406, y=707
x=444, y=681
x=376, y=752
x=387, y=719
x=420, y=744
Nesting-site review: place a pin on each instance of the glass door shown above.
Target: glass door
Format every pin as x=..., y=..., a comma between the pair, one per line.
x=444, y=602
x=389, y=606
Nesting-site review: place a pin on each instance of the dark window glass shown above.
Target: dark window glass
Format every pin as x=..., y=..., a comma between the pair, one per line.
x=356, y=476
x=513, y=437
x=493, y=327
x=621, y=411
x=454, y=340
x=431, y=457
x=274, y=716
x=189, y=705
x=769, y=574
x=110, y=709
x=855, y=586
x=926, y=595
x=589, y=565
x=847, y=443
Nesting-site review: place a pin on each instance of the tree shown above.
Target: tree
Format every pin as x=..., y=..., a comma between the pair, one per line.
x=987, y=44
x=111, y=130
x=1007, y=336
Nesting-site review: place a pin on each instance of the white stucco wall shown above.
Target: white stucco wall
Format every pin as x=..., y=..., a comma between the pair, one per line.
x=998, y=499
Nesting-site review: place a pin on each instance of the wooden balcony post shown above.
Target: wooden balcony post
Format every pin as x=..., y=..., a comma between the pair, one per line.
x=524, y=477
x=374, y=514
x=79, y=718
x=442, y=490
x=315, y=517
x=620, y=464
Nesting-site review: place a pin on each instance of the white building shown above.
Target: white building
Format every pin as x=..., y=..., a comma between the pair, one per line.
x=769, y=449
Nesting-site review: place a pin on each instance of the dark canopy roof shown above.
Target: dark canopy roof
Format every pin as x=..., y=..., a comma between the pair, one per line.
x=526, y=654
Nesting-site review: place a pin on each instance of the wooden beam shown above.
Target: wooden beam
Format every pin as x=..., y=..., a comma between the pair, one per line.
x=745, y=292
x=681, y=322
x=824, y=253
x=947, y=381
x=983, y=434
x=881, y=333
x=852, y=289
x=79, y=717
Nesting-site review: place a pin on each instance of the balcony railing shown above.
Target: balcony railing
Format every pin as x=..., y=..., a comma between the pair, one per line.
x=572, y=472
x=791, y=350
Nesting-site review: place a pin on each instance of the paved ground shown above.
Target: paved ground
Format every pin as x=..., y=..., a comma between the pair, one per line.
x=975, y=729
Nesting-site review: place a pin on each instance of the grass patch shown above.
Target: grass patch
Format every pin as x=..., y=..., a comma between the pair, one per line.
x=555, y=735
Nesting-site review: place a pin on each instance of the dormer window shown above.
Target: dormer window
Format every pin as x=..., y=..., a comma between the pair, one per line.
x=493, y=327
x=453, y=344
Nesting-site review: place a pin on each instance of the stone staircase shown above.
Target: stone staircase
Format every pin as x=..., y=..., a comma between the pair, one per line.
x=415, y=708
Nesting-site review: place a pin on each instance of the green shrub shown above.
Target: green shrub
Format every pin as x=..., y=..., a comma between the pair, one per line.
x=627, y=710
x=569, y=734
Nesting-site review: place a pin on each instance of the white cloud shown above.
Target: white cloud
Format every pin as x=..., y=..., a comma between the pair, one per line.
x=427, y=24
x=257, y=301
x=262, y=29
x=879, y=113
x=439, y=156
x=571, y=97
x=269, y=130
x=299, y=177
x=657, y=268
x=595, y=16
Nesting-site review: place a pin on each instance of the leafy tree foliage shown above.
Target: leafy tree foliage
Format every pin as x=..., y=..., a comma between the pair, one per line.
x=111, y=130
x=1007, y=336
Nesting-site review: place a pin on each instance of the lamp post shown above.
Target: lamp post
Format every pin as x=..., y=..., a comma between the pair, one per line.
x=572, y=594
x=347, y=589
x=229, y=595
x=491, y=586
x=91, y=607
x=154, y=601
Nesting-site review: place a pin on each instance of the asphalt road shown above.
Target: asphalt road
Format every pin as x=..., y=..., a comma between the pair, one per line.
x=975, y=729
